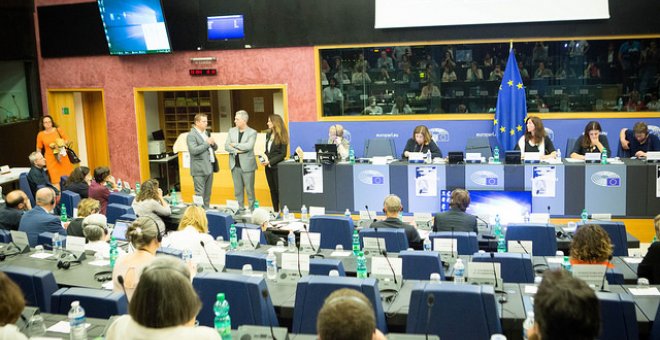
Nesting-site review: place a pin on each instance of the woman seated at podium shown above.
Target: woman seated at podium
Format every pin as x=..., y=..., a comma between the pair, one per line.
x=650, y=266
x=150, y=202
x=591, y=141
x=535, y=140
x=421, y=141
x=336, y=136
x=193, y=229
x=591, y=245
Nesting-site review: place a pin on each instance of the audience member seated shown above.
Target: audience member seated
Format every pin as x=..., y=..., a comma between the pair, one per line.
x=86, y=207
x=392, y=207
x=16, y=204
x=360, y=76
x=332, y=98
x=385, y=61
x=383, y=77
x=523, y=72
x=193, y=229
x=40, y=219
x=400, y=106
x=448, y=74
x=421, y=141
x=373, y=108
x=430, y=74
x=591, y=245
x=336, y=136
x=535, y=140
x=150, y=202
x=164, y=306
x=635, y=102
x=406, y=74
x=347, y=314
x=78, y=181
x=261, y=217
x=474, y=73
x=592, y=71
x=448, y=60
x=650, y=266
x=428, y=60
x=456, y=219
x=591, y=141
x=540, y=52
x=564, y=308
x=361, y=63
x=11, y=307
x=429, y=90
x=542, y=72
x=639, y=141
x=496, y=74
x=145, y=238
x=37, y=176
x=95, y=228
x=100, y=187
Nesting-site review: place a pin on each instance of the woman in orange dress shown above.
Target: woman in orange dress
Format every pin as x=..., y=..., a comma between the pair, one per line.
x=57, y=164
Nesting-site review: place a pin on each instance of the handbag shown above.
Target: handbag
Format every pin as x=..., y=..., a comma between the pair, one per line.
x=73, y=158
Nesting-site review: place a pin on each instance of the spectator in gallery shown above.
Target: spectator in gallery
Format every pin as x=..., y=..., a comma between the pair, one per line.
x=373, y=108
x=448, y=60
x=462, y=108
x=634, y=103
x=385, y=61
x=406, y=74
x=341, y=77
x=361, y=63
x=405, y=60
x=428, y=60
x=400, y=106
x=429, y=90
x=523, y=72
x=562, y=73
x=332, y=98
x=474, y=73
x=653, y=104
x=540, y=53
x=496, y=74
x=648, y=71
x=360, y=76
x=448, y=74
x=488, y=61
x=324, y=79
x=592, y=71
x=542, y=72
x=429, y=73
x=325, y=67
x=384, y=76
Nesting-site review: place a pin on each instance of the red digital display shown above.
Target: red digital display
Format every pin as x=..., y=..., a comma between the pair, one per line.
x=203, y=72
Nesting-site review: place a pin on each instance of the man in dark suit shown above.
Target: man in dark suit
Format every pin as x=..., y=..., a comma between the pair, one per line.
x=37, y=176
x=202, y=158
x=392, y=207
x=40, y=219
x=16, y=203
x=456, y=219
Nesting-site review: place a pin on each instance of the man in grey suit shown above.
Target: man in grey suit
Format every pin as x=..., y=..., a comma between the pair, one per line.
x=203, y=163
x=240, y=145
x=456, y=219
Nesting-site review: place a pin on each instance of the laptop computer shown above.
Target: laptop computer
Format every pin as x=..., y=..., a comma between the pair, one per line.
x=119, y=230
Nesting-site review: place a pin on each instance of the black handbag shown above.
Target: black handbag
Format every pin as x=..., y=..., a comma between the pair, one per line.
x=73, y=158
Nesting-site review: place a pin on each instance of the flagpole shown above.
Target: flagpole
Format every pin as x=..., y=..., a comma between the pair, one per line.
x=510, y=44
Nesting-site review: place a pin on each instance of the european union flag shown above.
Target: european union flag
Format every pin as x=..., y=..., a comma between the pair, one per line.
x=509, y=122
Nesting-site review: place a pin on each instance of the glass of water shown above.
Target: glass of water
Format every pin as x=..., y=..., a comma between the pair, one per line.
x=35, y=326
x=247, y=269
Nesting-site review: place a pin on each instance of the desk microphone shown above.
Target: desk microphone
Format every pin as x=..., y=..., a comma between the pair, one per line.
x=247, y=233
x=502, y=298
x=207, y=255
x=311, y=244
x=452, y=241
x=120, y=279
x=602, y=283
x=298, y=262
x=375, y=227
x=264, y=295
x=523, y=247
x=486, y=222
x=430, y=300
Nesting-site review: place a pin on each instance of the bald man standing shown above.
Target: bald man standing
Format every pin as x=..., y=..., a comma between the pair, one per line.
x=16, y=203
x=40, y=219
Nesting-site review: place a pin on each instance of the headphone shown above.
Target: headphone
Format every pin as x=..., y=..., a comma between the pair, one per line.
x=66, y=264
x=103, y=276
x=159, y=235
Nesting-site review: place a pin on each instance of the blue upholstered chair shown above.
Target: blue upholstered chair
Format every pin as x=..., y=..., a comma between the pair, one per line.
x=395, y=239
x=515, y=268
x=239, y=233
x=115, y=210
x=448, y=312
x=312, y=291
x=248, y=293
x=618, y=235
x=543, y=237
x=70, y=200
x=467, y=243
x=170, y=251
x=120, y=198
x=98, y=303
x=219, y=224
x=5, y=236
x=334, y=230
x=324, y=266
x=37, y=285
x=618, y=318
x=236, y=260
x=127, y=217
x=24, y=185
x=419, y=265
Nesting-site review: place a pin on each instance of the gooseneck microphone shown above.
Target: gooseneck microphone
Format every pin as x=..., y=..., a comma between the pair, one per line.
x=523, y=247
x=502, y=298
x=120, y=279
x=309, y=238
x=375, y=227
x=247, y=234
x=452, y=241
x=602, y=283
x=201, y=243
x=430, y=300
x=264, y=295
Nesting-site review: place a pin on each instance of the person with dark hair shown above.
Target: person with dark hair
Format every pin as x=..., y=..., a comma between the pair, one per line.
x=591, y=141
x=86, y=207
x=650, y=266
x=333, y=99
x=145, y=238
x=456, y=219
x=536, y=140
x=40, y=219
x=150, y=202
x=78, y=181
x=11, y=306
x=276, y=143
x=565, y=308
x=639, y=141
x=50, y=141
x=591, y=245
x=16, y=204
x=100, y=187
x=392, y=207
x=164, y=306
x=347, y=314
x=38, y=175
x=421, y=141
x=203, y=162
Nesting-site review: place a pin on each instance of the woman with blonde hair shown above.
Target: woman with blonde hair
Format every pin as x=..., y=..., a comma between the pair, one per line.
x=276, y=143
x=150, y=202
x=86, y=207
x=591, y=245
x=193, y=230
x=421, y=141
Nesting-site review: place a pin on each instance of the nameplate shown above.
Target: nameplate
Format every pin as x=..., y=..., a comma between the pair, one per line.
x=232, y=204
x=367, y=215
x=473, y=157
x=653, y=156
x=309, y=156
x=532, y=157
x=524, y=247
x=75, y=244
x=380, y=267
x=290, y=262
x=251, y=237
x=379, y=160
x=446, y=245
x=416, y=157
x=305, y=238
x=592, y=157
x=216, y=254
x=4, y=169
x=592, y=274
x=373, y=244
x=199, y=200
x=316, y=211
x=542, y=218
x=482, y=273
x=20, y=238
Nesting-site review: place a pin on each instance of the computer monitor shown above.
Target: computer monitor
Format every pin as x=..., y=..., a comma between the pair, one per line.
x=511, y=206
x=225, y=27
x=119, y=231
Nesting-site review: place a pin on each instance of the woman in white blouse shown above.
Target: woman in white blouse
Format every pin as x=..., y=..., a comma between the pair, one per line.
x=150, y=202
x=193, y=228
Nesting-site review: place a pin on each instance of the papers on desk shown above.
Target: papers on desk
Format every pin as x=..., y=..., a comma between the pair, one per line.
x=107, y=285
x=41, y=255
x=99, y=263
x=634, y=260
x=651, y=291
x=556, y=259
x=62, y=327
x=573, y=160
x=295, y=226
x=531, y=289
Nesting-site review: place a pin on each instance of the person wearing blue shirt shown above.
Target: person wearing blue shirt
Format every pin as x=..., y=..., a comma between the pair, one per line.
x=40, y=219
x=639, y=141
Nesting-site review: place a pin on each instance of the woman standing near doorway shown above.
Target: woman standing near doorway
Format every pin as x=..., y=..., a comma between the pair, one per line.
x=51, y=141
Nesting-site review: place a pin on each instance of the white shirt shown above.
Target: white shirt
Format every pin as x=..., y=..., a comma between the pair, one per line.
x=189, y=238
x=11, y=332
x=125, y=328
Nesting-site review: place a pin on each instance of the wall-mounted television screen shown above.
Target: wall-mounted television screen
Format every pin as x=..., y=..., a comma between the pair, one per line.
x=225, y=27
x=511, y=206
x=134, y=26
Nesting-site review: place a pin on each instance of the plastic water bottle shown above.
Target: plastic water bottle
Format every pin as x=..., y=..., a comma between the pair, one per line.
x=427, y=244
x=584, y=216
x=351, y=155
x=559, y=154
x=291, y=240
x=77, y=322
x=347, y=213
x=361, y=266
x=566, y=264
x=233, y=238
x=496, y=155
x=113, y=251
x=57, y=244
x=271, y=265
x=137, y=188
x=655, y=238
x=303, y=214
x=222, y=319
x=528, y=324
x=356, y=242
x=498, y=226
x=501, y=243
x=401, y=216
x=256, y=204
x=285, y=213
x=63, y=216
x=620, y=104
x=603, y=156
x=459, y=272
x=187, y=256
x=429, y=157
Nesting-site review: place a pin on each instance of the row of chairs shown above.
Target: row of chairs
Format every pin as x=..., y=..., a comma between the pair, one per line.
x=253, y=306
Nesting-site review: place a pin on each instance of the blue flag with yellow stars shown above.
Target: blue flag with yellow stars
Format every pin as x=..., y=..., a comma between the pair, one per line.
x=509, y=122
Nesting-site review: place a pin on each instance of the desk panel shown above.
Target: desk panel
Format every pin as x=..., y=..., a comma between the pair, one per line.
x=420, y=184
x=605, y=189
x=484, y=177
x=371, y=183
x=541, y=204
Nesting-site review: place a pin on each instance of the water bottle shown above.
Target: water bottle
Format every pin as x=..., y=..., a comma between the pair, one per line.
x=271, y=265
x=584, y=216
x=498, y=226
x=347, y=213
x=113, y=251
x=427, y=244
x=603, y=156
x=559, y=154
x=526, y=217
x=429, y=157
x=285, y=213
x=291, y=240
x=173, y=200
x=256, y=204
x=401, y=216
x=496, y=155
x=528, y=324
x=351, y=155
x=137, y=188
x=356, y=242
x=222, y=320
x=566, y=264
x=187, y=256
x=57, y=244
x=63, y=216
x=655, y=238
x=77, y=322
x=361, y=266
x=620, y=104
x=233, y=238
x=501, y=243
x=459, y=272
x=303, y=214
x=119, y=184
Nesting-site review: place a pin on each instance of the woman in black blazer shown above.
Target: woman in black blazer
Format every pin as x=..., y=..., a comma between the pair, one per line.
x=276, y=142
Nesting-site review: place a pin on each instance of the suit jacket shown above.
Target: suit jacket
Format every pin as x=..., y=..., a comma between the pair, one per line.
x=200, y=162
x=10, y=218
x=650, y=266
x=276, y=153
x=414, y=240
x=457, y=219
x=38, y=178
x=245, y=147
x=37, y=221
